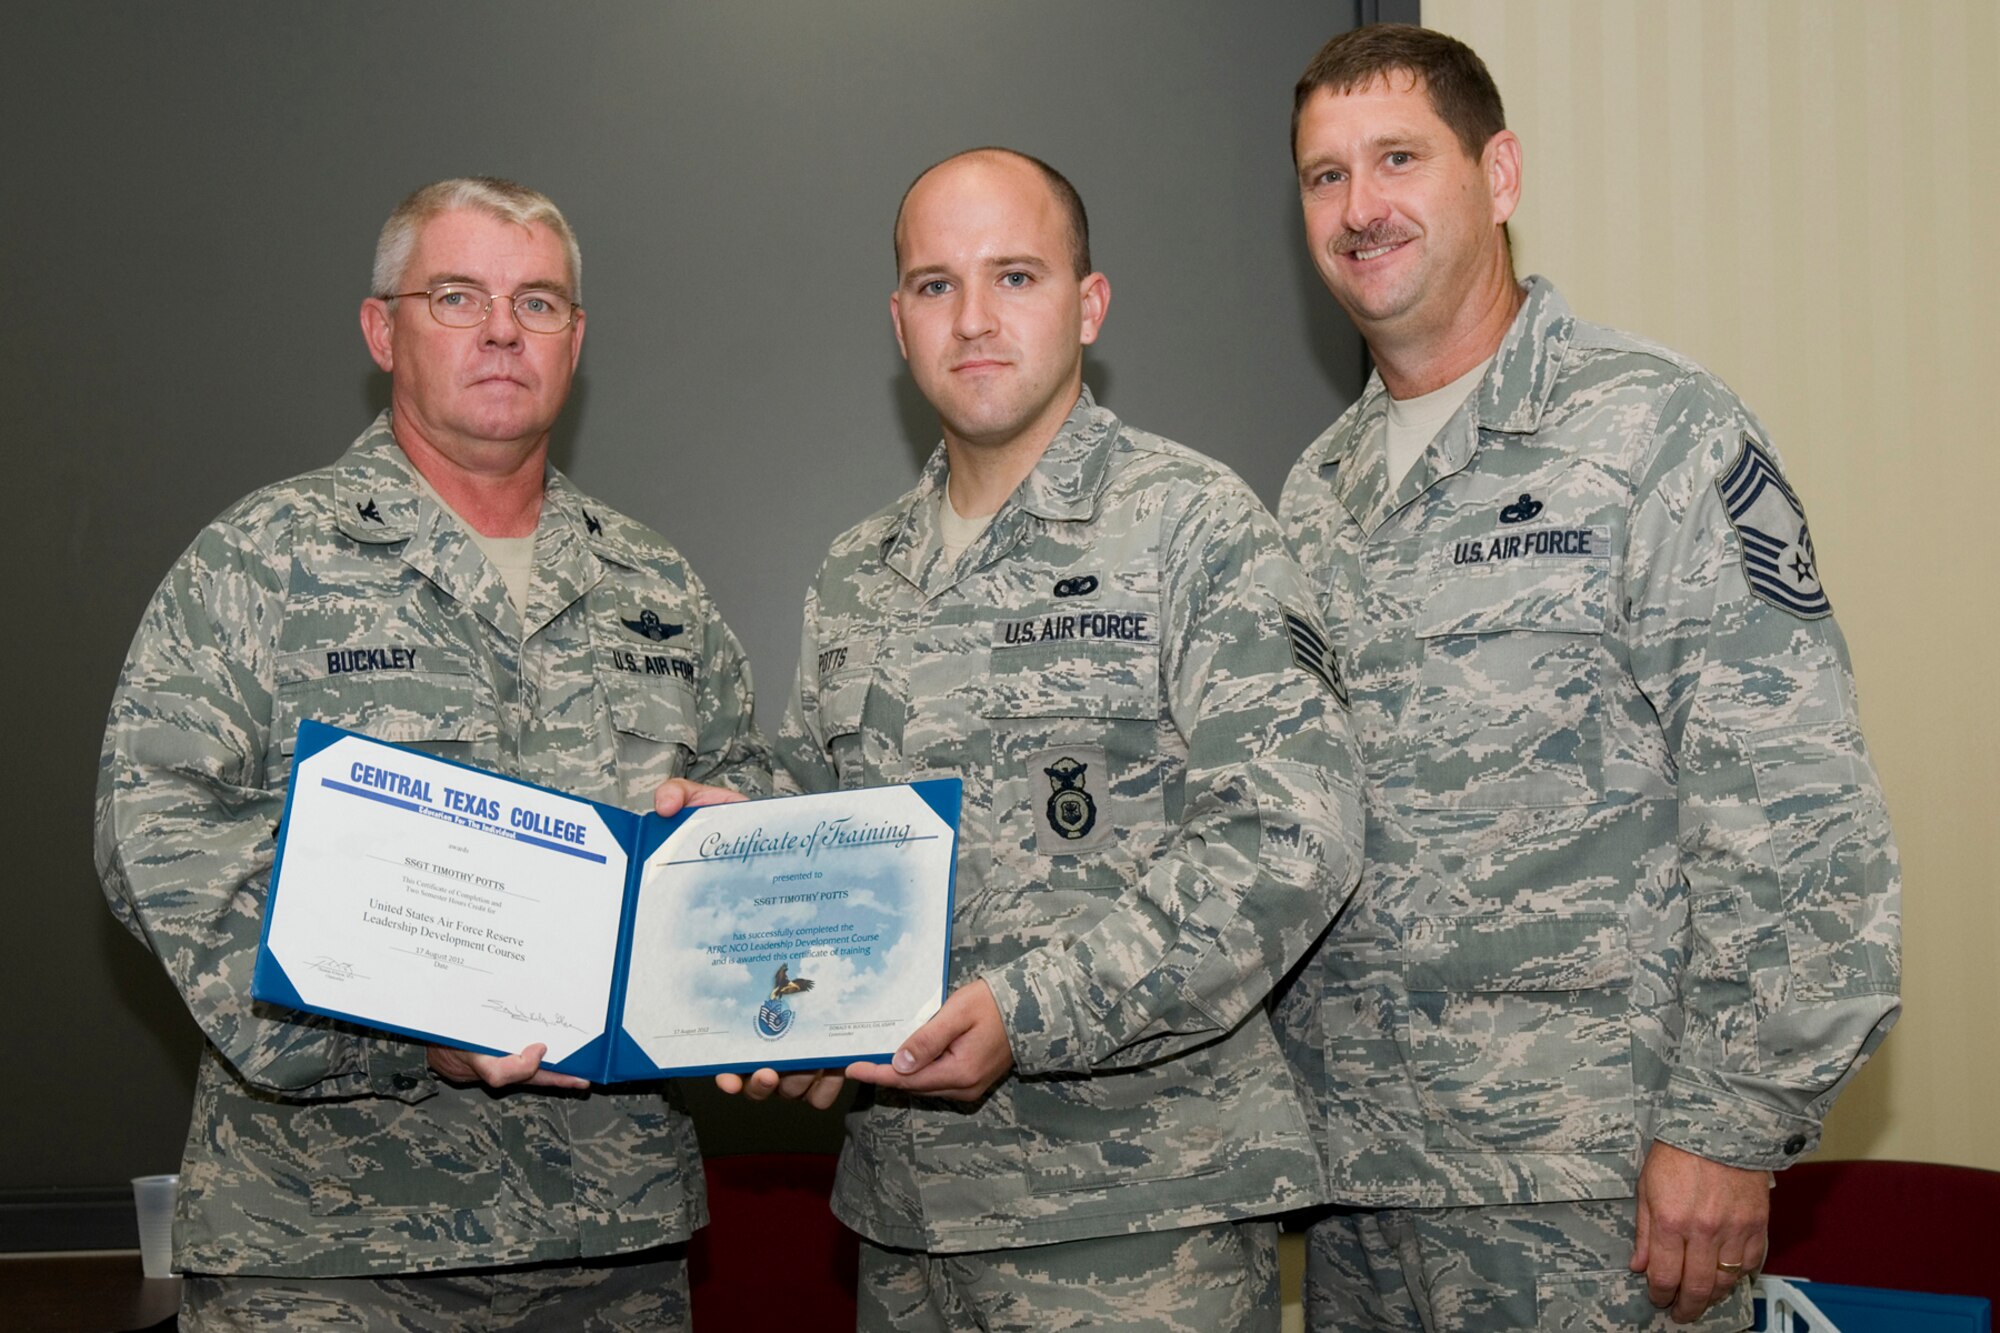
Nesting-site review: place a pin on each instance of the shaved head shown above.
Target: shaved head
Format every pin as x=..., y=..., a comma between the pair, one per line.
x=1059, y=187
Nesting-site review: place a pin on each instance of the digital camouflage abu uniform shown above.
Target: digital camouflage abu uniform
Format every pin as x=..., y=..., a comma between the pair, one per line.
x=348, y=596
x=1628, y=871
x=1159, y=817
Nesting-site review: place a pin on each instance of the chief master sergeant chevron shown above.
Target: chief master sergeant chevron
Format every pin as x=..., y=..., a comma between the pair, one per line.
x=1100, y=632
x=439, y=585
x=1628, y=913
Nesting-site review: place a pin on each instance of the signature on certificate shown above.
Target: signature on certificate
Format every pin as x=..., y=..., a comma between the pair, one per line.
x=334, y=968
x=555, y=1020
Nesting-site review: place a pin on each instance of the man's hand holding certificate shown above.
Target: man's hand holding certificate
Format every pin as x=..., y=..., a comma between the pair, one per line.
x=466, y=909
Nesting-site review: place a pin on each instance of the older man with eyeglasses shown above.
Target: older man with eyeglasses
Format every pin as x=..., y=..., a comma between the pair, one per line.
x=439, y=585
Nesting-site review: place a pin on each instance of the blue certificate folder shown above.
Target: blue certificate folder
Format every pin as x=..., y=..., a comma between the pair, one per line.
x=455, y=906
x=1880, y=1310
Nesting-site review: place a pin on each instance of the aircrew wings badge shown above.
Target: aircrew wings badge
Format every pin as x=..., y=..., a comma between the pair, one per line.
x=1771, y=527
x=652, y=627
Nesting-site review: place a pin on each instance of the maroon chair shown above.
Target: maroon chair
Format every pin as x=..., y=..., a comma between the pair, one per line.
x=1911, y=1226
x=772, y=1250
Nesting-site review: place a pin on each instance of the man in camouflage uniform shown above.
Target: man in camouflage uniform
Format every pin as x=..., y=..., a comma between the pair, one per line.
x=438, y=586
x=1120, y=661
x=1628, y=916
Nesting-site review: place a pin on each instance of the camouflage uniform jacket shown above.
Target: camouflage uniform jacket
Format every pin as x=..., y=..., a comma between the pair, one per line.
x=1628, y=869
x=348, y=596
x=1160, y=816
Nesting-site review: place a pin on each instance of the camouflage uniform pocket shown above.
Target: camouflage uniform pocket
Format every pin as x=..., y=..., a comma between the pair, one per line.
x=1074, y=680
x=440, y=711
x=654, y=721
x=1504, y=710
x=1079, y=773
x=1615, y=1301
x=437, y=1160
x=1115, y=1130
x=1829, y=835
x=1520, y=1033
x=842, y=701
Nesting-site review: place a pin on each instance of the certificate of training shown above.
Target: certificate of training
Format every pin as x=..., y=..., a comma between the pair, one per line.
x=460, y=907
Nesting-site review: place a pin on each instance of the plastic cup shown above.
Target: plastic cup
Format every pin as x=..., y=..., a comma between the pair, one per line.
x=154, y=1196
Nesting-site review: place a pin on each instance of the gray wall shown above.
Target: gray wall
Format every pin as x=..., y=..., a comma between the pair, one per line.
x=191, y=201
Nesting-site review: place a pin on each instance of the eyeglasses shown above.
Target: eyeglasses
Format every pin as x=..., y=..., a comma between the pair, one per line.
x=457, y=306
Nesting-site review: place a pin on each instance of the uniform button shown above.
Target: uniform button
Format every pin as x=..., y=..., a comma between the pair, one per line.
x=404, y=1082
x=1795, y=1145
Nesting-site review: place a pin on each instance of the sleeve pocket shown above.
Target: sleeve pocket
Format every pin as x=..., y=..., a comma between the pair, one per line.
x=842, y=702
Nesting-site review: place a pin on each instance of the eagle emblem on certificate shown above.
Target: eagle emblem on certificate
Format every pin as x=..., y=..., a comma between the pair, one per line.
x=775, y=1015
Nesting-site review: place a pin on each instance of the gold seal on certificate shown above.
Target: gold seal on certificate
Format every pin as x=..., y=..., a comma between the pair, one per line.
x=458, y=906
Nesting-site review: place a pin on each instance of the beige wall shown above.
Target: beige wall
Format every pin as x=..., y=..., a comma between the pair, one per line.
x=1805, y=196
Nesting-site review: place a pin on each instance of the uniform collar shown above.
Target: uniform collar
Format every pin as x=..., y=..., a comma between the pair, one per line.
x=1064, y=486
x=376, y=496
x=1070, y=474
x=378, y=501
x=1510, y=400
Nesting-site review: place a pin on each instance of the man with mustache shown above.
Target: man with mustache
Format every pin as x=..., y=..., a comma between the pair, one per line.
x=440, y=585
x=1101, y=634
x=1628, y=914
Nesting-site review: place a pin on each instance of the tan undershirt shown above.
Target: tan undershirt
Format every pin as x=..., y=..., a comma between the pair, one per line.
x=1415, y=422
x=514, y=557
x=955, y=532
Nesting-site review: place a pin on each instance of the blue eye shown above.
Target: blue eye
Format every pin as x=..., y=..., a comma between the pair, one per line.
x=935, y=287
x=1400, y=159
x=1015, y=279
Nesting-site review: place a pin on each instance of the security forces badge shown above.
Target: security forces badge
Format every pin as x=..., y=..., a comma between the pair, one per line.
x=1072, y=818
x=1072, y=810
x=1770, y=526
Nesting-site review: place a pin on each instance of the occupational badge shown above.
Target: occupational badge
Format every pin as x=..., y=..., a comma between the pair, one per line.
x=1076, y=815
x=1072, y=811
x=649, y=625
